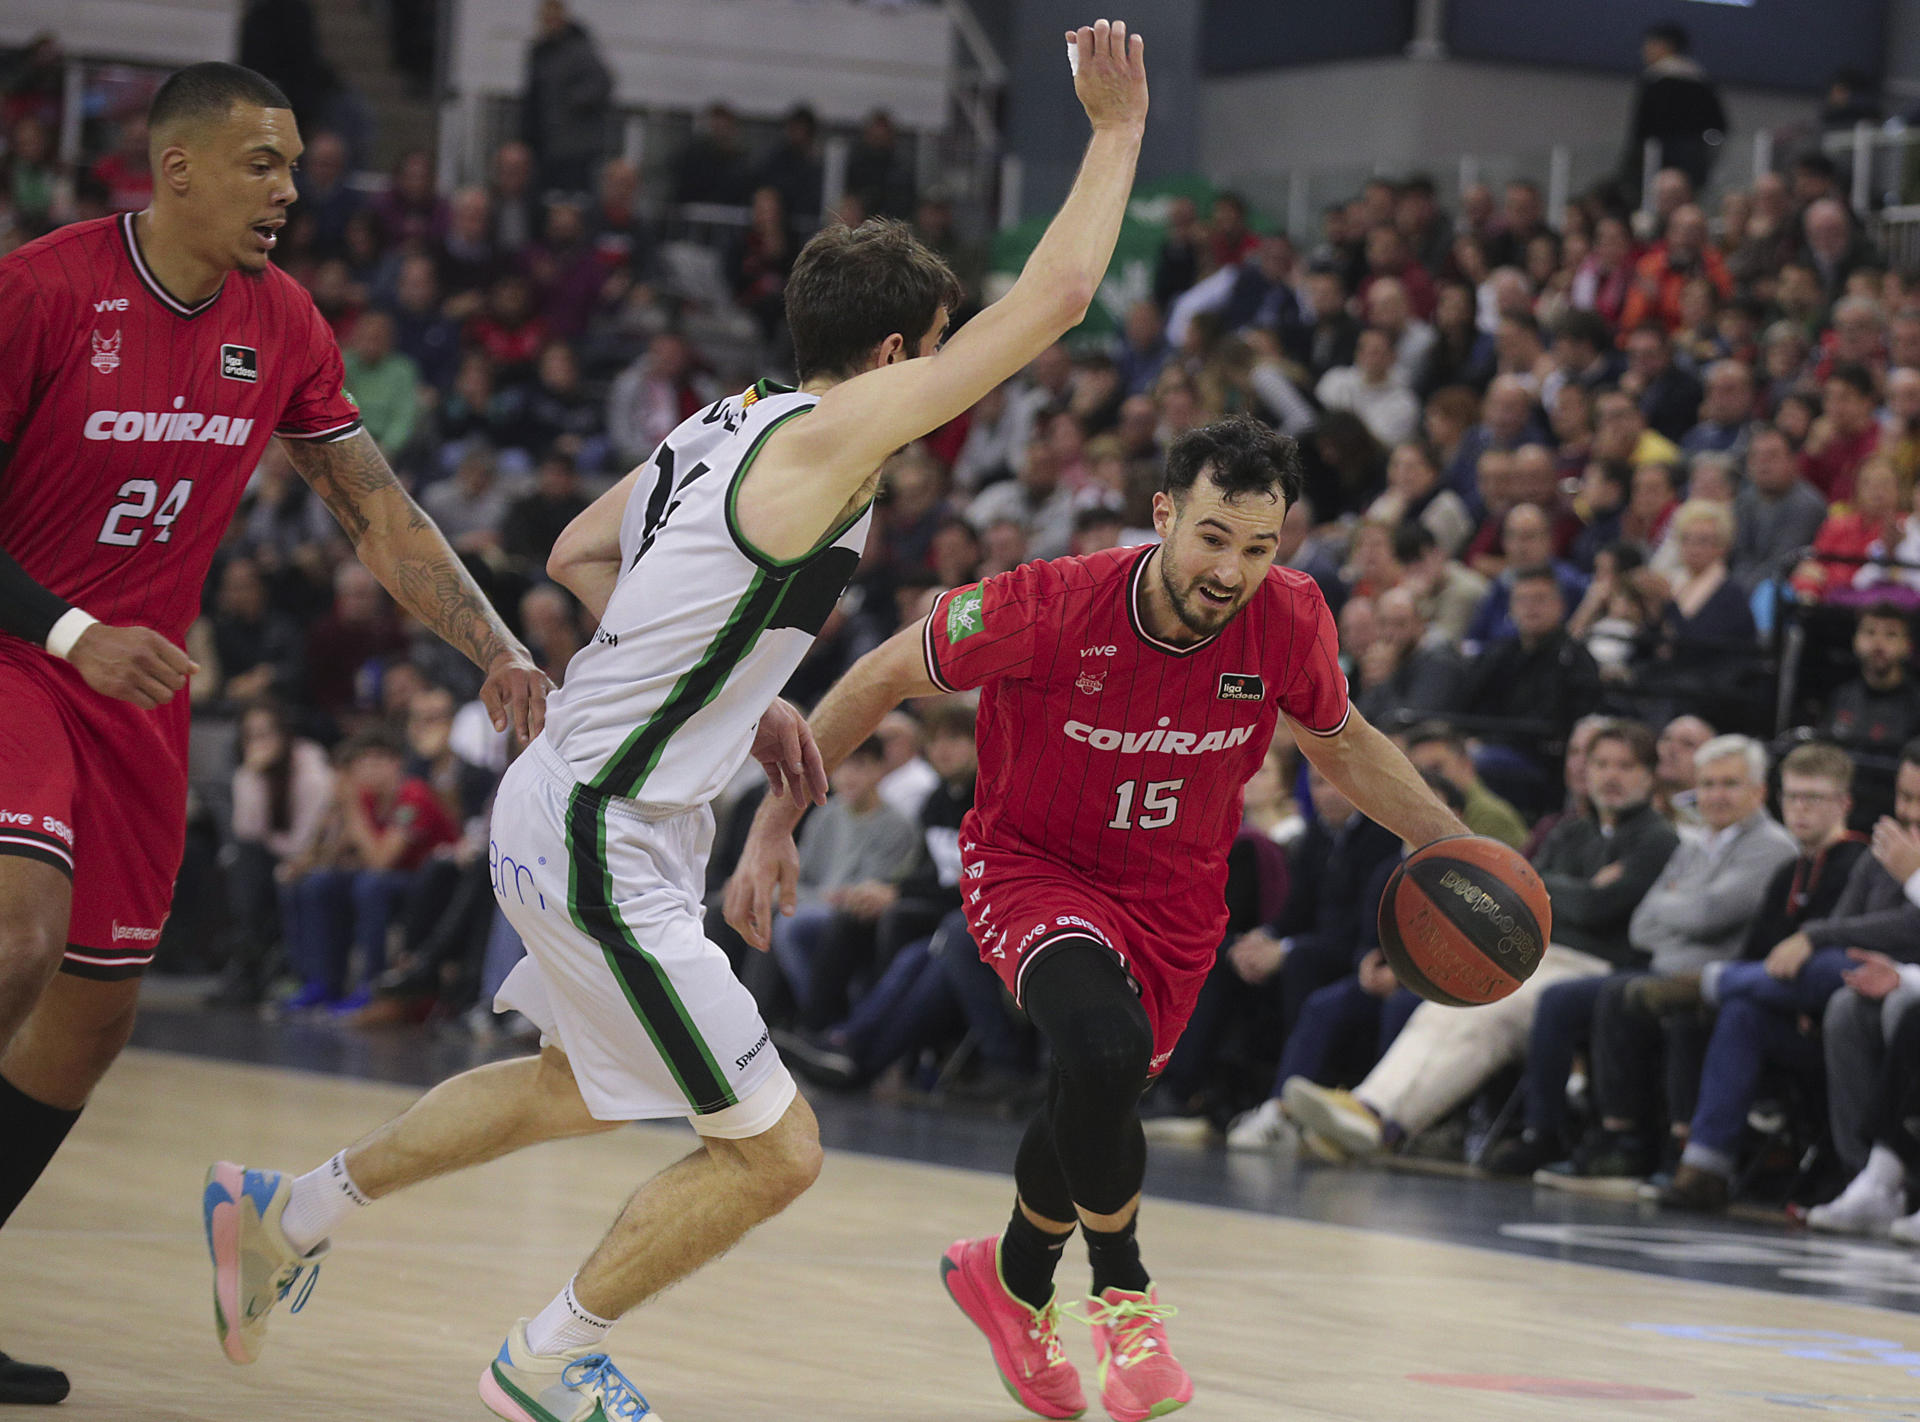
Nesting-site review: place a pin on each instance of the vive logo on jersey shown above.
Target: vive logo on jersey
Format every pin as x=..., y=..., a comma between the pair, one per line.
x=1242, y=686
x=240, y=363
x=46, y=824
x=111, y=303
x=1092, y=678
x=964, y=615
x=106, y=353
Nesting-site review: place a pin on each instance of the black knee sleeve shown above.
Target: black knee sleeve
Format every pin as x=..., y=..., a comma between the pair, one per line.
x=1102, y=1043
x=1037, y=1173
x=1095, y=1024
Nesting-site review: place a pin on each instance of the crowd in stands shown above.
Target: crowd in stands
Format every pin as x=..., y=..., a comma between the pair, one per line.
x=1570, y=485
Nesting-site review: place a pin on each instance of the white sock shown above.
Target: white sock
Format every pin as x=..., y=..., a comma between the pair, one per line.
x=1885, y=1172
x=564, y=1325
x=322, y=1200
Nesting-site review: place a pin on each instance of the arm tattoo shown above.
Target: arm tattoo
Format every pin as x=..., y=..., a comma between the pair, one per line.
x=349, y=475
x=441, y=593
x=400, y=544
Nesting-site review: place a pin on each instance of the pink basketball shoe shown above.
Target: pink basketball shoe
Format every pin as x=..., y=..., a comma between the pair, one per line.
x=1139, y=1376
x=1025, y=1340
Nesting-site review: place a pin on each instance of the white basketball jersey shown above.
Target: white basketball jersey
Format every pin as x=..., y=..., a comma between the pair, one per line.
x=703, y=630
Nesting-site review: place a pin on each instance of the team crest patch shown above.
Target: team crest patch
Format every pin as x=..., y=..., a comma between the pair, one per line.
x=106, y=353
x=240, y=363
x=1090, y=681
x=1242, y=686
x=964, y=617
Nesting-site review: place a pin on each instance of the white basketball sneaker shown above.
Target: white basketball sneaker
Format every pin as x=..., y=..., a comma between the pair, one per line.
x=580, y=1385
x=254, y=1266
x=1864, y=1207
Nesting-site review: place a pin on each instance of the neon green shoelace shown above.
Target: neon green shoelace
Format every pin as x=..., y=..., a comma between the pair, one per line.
x=1046, y=1332
x=1131, y=1322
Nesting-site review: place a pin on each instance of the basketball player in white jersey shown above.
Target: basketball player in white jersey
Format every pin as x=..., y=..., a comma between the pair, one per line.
x=711, y=568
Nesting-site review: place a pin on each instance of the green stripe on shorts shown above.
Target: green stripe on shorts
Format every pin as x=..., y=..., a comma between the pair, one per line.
x=647, y=986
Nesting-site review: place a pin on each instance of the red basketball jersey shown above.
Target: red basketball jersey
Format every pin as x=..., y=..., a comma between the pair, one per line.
x=136, y=420
x=1114, y=754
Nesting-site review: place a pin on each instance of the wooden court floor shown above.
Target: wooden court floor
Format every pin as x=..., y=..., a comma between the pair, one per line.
x=833, y=1313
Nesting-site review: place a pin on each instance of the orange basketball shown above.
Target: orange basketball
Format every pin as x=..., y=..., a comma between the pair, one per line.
x=1464, y=921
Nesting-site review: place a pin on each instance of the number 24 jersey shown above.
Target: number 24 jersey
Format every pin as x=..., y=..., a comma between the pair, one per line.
x=136, y=419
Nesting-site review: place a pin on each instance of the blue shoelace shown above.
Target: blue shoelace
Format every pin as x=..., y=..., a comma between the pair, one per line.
x=311, y=1273
x=620, y=1398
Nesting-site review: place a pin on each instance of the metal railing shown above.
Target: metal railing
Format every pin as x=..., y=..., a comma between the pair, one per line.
x=960, y=159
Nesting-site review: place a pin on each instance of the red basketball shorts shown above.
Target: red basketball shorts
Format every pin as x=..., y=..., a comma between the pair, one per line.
x=1020, y=907
x=97, y=788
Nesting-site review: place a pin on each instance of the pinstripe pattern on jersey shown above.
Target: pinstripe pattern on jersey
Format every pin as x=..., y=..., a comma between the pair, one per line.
x=1078, y=699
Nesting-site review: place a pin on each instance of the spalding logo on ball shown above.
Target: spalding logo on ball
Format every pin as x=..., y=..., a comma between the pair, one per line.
x=1464, y=921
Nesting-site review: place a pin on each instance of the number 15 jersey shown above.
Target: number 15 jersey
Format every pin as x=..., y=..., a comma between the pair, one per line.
x=1111, y=753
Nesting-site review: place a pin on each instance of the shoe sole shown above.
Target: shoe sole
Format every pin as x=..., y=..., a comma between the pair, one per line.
x=1178, y=1130
x=35, y=1394
x=949, y=1273
x=1593, y=1187
x=500, y=1402
x=222, y=1220
x=1159, y=1409
x=1264, y=1143
x=1311, y=1113
x=1321, y=1149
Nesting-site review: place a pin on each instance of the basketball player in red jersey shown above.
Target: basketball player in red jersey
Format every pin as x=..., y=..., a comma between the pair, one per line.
x=147, y=359
x=1127, y=697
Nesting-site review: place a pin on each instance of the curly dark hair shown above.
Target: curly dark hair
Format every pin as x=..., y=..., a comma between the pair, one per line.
x=1240, y=455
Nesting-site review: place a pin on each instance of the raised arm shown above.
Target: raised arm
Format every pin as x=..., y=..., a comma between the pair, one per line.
x=811, y=468
x=401, y=546
x=768, y=872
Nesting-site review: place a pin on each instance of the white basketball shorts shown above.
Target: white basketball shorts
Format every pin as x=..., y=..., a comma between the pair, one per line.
x=619, y=971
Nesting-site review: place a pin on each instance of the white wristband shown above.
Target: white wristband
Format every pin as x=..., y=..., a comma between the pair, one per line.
x=67, y=631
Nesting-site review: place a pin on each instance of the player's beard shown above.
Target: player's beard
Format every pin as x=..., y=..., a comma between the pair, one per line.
x=1196, y=614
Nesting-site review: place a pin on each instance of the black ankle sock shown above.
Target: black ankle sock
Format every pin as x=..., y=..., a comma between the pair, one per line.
x=1115, y=1258
x=1028, y=1257
x=30, y=1132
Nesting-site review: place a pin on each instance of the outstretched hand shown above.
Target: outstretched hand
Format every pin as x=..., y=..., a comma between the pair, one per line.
x=1111, y=74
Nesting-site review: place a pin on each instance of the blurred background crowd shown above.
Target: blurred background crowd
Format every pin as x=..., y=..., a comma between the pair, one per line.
x=1616, y=506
